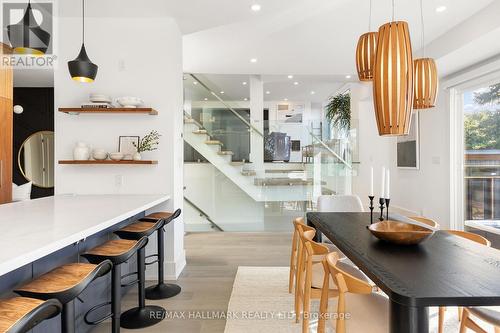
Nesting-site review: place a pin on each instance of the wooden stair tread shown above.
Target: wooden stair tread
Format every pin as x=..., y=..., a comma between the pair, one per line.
x=159, y=215
x=14, y=309
x=60, y=279
x=113, y=248
x=139, y=227
x=225, y=152
x=200, y=132
x=213, y=142
x=249, y=173
x=237, y=163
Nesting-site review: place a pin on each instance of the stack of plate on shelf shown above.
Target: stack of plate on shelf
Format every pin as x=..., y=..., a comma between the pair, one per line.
x=98, y=101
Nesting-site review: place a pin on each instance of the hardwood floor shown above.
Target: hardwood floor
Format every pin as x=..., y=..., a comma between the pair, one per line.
x=207, y=281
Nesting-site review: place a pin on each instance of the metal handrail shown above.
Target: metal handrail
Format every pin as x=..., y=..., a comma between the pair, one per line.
x=202, y=213
x=330, y=150
x=227, y=106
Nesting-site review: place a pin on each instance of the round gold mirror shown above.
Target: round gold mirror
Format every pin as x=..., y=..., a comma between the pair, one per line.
x=36, y=159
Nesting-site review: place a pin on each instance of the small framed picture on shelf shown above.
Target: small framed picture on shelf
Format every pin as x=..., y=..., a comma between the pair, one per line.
x=126, y=145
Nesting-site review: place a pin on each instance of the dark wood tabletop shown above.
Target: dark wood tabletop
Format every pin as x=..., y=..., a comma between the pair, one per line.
x=443, y=270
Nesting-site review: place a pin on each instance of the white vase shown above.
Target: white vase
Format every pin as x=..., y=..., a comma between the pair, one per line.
x=81, y=152
x=137, y=157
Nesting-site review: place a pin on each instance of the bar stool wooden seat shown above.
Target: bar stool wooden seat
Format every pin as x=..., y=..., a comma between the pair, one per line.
x=21, y=314
x=145, y=227
x=118, y=251
x=65, y=283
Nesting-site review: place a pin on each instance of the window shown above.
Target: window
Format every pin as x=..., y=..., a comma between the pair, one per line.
x=481, y=121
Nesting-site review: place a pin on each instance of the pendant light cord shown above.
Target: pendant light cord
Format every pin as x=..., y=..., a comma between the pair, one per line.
x=83, y=22
x=423, y=27
x=393, y=5
x=370, y=17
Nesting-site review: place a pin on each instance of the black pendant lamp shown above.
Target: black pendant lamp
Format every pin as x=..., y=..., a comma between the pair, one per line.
x=27, y=37
x=82, y=69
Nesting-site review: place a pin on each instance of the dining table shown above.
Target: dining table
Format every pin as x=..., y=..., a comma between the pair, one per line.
x=444, y=270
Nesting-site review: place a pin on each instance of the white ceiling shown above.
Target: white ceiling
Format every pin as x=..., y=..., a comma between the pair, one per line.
x=280, y=87
x=306, y=37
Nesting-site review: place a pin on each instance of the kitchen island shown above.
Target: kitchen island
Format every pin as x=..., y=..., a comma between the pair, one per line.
x=34, y=229
x=40, y=235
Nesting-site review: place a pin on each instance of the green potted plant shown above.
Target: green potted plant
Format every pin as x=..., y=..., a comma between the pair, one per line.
x=148, y=143
x=338, y=111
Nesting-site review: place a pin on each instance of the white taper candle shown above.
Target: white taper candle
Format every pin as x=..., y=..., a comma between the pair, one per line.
x=371, y=181
x=382, y=184
x=388, y=184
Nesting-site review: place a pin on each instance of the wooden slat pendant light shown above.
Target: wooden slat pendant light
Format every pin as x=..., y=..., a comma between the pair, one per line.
x=426, y=76
x=393, y=79
x=426, y=83
x=365, y=55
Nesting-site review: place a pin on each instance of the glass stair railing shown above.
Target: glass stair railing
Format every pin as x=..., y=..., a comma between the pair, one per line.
x=244, y=193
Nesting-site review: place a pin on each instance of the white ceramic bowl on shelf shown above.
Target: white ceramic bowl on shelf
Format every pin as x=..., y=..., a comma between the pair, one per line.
x=116, y=156
x=99, y=154
x=130, y=102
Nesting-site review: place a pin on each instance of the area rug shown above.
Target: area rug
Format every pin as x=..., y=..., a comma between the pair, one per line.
x=260, y=303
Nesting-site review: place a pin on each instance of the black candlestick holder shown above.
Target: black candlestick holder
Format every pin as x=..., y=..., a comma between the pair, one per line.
x=381, y=201
x=371, y=197
x=387, y=201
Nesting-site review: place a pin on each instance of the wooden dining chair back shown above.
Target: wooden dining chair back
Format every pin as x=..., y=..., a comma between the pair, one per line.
x=297, y=223
x=425, y=220
x=345, y=283
x=470, y=236
x=475, y=238
x=309, y=254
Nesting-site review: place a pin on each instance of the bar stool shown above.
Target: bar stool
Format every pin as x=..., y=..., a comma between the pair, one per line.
x=145, y=227
x=119, y=251
x=21, y=314
x=65, y=283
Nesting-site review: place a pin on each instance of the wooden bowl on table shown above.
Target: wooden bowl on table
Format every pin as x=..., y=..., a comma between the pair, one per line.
x=399, y=232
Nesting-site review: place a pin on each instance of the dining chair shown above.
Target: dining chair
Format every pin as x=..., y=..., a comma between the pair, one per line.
x=364, y=309
x=472, y=237
x=310, y=276
x=339, y=203
x=425, y=220
x=491, y=315
x=297, y=246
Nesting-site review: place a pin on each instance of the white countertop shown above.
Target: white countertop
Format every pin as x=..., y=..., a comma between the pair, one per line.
x=31, y=230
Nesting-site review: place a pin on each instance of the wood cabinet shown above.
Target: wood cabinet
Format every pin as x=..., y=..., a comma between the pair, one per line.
x=6, y=117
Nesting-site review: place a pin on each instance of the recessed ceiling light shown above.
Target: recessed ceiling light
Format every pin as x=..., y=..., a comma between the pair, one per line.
x=244, y=83
x=440, y=9
x=245, y=99
x=285, y=99
x=206, y=99
x=222, y=92
x=347, y=76
x=290, y=76
x=253, y=60
x=295, y=83
x=256, y=7
x=313, y=92
x=195, y=83
x=268, y=92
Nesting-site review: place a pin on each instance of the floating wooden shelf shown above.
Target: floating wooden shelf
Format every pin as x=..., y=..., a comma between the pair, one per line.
x=77, y=111
x=108, y=162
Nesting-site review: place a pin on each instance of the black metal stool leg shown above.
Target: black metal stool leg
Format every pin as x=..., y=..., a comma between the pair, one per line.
x=68, y=317
x=116, y=298
x=142, y=316
x=162, y=290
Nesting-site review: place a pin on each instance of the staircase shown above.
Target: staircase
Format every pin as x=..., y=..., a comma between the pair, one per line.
x=258, y=187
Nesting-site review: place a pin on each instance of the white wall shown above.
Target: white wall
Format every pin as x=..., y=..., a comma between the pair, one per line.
x=136, y=57
x=424, y=191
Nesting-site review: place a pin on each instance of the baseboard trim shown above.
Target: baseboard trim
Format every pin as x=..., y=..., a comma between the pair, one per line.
x=173, y=269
